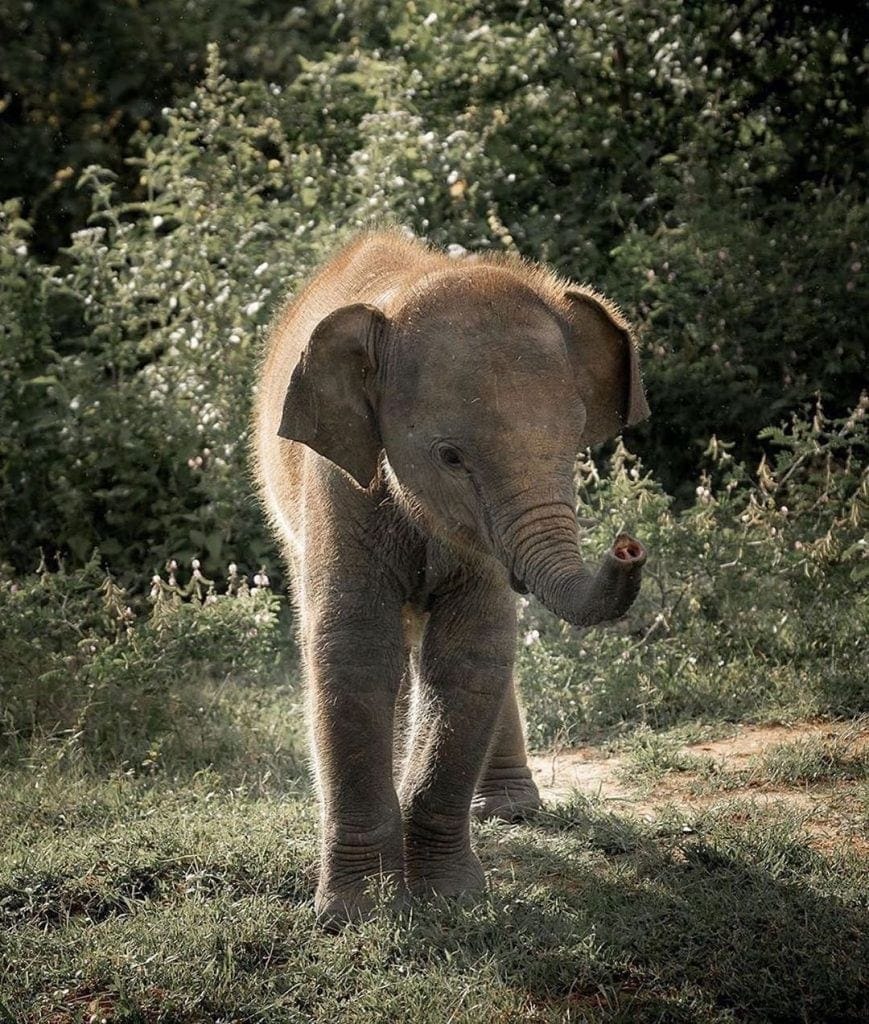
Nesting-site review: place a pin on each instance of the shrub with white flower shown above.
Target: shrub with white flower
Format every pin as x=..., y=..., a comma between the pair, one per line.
x=738, y=586
x=115, y=682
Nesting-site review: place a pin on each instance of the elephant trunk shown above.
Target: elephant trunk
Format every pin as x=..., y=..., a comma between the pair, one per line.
x=541, y=551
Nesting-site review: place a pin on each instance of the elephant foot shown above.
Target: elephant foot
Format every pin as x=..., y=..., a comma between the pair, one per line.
x=506, y=799
x=438, y=859
x=338, y=907
x=362, y=870
x=459, y=876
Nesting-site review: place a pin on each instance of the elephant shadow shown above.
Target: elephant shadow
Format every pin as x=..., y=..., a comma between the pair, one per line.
x=608, y=918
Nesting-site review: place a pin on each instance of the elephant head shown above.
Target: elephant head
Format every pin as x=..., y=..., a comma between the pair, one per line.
x=481, y=387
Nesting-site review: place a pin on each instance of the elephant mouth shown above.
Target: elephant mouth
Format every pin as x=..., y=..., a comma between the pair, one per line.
x=517, y=584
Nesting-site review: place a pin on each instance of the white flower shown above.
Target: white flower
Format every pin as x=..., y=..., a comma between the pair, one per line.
x=157, y=221
x=252, y=308
x=260, y=270
x=430, y=19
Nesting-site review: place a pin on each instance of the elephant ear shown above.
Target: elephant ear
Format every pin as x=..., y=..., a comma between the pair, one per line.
x=607, y=371
x=328, y=405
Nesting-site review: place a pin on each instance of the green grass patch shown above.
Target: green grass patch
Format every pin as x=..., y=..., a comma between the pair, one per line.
x=158, y=900
x=815, y=759
x=650, y=757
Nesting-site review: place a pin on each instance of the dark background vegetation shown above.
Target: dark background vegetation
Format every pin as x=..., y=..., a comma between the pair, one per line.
x=701, y=162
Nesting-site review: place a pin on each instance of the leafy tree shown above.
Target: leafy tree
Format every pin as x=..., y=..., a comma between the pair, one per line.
x=78, y=79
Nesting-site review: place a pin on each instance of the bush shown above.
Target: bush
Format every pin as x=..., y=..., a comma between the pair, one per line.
x=128, y=404
x=654, y=151
x=83, y=671
x=754, y=603
x=744, y=320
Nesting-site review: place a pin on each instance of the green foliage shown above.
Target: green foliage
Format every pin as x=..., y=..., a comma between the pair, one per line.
x=654, y=150
x=745, y=317
x=82, y=670
x=130, y=434
x=754, y=601
x=77, y=79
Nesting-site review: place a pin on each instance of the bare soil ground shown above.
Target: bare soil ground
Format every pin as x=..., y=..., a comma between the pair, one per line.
x=831, y=810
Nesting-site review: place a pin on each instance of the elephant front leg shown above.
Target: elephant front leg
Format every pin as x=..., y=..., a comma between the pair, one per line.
x=466, y=664
x=506, y=789
x=354, y=671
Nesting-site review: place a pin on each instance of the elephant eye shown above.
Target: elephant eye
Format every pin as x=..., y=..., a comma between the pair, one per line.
x=449, y=456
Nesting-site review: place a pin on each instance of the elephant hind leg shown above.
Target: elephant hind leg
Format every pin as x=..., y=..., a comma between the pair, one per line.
x=506, y=791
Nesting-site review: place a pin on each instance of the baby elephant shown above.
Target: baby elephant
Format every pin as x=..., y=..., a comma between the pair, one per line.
x=417, y=421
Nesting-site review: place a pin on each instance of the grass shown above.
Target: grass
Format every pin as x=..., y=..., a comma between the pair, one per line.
x=815, y=759
x=158, y=840
x=177, y=895
x=652, y=756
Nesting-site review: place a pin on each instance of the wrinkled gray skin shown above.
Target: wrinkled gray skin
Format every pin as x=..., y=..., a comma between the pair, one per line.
x=417, y=421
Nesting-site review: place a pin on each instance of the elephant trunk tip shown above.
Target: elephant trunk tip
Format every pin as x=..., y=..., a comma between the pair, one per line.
x=627, y=549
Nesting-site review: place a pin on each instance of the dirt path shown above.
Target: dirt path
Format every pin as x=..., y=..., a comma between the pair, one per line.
x=831, y=810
